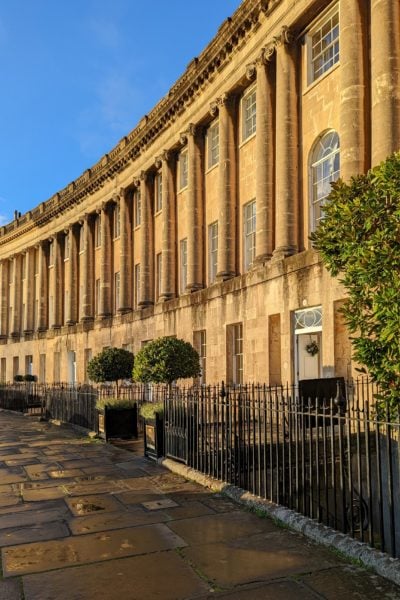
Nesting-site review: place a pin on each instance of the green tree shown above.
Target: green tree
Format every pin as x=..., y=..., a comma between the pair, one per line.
x=165, y=360
x=112, y=364
x=359, y=241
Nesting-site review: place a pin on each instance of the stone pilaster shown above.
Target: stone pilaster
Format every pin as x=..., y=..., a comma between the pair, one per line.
x=385, y=79
x=4, y=297
x=17, y=296
x=265, y=143
x=88, y=270
x=105, y=262
x=72, y=274
x=287, y=153
x=168, y=265
x=125, y=268
x=195, y=142
x=226, y=260
x=58, y=279
x=353, y=109
x=30, y=291
x=146, y=242
x=43, y=257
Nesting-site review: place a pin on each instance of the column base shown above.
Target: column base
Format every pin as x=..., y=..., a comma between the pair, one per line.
x=193, y=287
x=15, y=334
x=104, y=315
x=41, y=329
x=87, y=319
x=166, y=296
x=283, y=252
x=28, y=331
x=145, y=303
x=261, y=259
x=123, y=311
x=56, y=326
x=70, y=322
x=224, y=275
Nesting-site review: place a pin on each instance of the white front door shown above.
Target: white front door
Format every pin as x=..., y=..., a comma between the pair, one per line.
x=308, y=355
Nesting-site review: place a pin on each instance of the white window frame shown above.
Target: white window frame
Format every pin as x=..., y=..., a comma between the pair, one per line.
x=158, y=193
x=116, y=221
x=324, y=154
x=183, y=265
x=137, y=207
x=137, y=285
x=248, y=113
x=235, y=352
x=249, y=234
x=213, y=145
x=324, y=45
x=212, y=251
x=97, y=231
x=117, y=289
x=158, y=274
x=183, y=169
x=200, y=344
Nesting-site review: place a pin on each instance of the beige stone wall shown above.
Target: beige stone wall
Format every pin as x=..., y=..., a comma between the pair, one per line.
x=264, y=46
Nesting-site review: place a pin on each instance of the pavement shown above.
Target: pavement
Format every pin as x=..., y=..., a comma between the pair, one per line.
x=81, y=519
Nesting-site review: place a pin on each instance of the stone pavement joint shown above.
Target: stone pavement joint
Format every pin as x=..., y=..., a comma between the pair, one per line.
x=84, y=520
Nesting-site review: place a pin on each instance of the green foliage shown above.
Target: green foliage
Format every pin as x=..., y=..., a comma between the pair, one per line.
x=148, y=410
x=115, y=403
x=18, y=378
x=111, y=364
x=359, y=240
x=165, y=360
x=29, y=377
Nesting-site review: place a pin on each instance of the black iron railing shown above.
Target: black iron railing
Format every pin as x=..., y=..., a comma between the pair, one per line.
x=335, y=459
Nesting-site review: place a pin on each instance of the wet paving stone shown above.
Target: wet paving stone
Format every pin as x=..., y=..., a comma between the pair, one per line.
x=33, y=533
x=93, y=486
x=221, y=527
x=31, y=517
x=8, y=477
x=10, y=590
x=128, y=578
x=91, y=548
x=9, y=499
x=134, y=498
x=48, y=493
x=21, y=461
x=65, y=473
x=280, y=590
x=189, y=510
x=118, y=520
x=351, y=583
x=85, y=505
x=160, y=504
x=258, y=558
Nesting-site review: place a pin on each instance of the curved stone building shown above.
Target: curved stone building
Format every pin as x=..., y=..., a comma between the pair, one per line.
x=197, y=223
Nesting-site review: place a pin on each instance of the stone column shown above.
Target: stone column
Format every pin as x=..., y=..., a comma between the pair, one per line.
x=353, y=109
x=125, y=245
x=146, y=242
x=287, y=152
x=265, y=142
x=385, y=78
x=72, y=274
x=226, y=260
x=195, y=143
x=30, y=290
x=88, y=270
x=105, y=263
x=4, y=298
x=168, y=265
x=43, y=285
x=58, y=287
x=17, y=296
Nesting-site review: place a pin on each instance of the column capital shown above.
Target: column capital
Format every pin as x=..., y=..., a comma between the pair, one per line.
x=251, y=70
x=285, y=36
x=266, y=55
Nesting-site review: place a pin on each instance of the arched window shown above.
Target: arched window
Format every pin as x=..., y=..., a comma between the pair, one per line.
x=325, y=168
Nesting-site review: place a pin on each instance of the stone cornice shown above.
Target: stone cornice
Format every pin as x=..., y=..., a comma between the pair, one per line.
x=192, y=83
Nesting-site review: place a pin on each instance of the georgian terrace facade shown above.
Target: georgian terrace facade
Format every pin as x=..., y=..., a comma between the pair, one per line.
x=197, y=223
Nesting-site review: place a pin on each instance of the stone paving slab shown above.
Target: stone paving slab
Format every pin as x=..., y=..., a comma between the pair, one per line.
x=33, y=533
x=221, y=527
x=32, y=517
x=280, y=590
x=117, y=520
x=10, y=590
x=9, y=499
x=47, y=493
x=7, y=477
x=91, y=548
x=84, y=505
x=162, y=576
x=257, y=558
x=133, y=498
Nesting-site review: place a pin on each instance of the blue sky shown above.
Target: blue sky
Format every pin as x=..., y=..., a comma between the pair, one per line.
x=77, y=75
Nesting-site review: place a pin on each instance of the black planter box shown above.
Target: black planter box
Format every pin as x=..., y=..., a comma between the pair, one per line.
x=154, y=437
x=118, y=423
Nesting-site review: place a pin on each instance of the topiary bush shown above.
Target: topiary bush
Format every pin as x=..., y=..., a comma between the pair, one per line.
x=112, y=364
x=165, y=360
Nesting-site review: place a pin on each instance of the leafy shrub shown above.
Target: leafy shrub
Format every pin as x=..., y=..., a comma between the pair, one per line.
x=165, y=360
x=115, y=403
x=112, y=364
x=148, y=410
